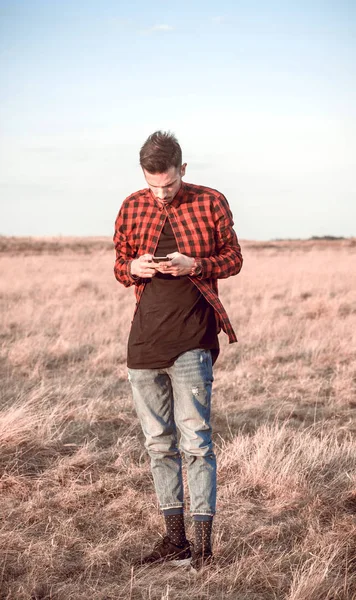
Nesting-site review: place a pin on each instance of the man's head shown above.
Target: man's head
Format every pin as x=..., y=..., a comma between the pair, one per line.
x=161, y=162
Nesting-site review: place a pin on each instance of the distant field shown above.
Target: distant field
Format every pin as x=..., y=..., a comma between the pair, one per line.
x=76, y=498
x=89, y=245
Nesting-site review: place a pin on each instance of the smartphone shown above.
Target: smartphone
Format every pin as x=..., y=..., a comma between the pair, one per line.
x=158, y=259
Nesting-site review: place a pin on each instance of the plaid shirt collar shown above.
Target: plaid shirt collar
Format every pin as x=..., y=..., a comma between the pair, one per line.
x=175, y=202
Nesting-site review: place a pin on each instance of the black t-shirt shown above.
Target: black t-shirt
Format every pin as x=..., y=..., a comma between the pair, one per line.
x=172, y=317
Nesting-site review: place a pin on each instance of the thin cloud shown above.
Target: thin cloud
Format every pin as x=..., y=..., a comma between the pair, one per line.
x=162, y=27
x=218, y=20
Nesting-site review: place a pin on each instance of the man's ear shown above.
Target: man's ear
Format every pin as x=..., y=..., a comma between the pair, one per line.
x=182, y=169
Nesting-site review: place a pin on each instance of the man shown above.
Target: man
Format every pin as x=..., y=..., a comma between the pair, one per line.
x=173, y=341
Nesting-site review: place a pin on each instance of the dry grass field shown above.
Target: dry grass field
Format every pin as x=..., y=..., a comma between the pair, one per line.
x=76, y=498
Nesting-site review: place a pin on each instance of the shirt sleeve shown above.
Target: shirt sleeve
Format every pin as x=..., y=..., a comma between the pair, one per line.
x=227, y=259
x=124, y=253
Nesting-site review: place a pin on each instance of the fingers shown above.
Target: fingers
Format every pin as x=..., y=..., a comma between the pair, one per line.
x=163, y=267
x=145, y=266
x=172, y=270
x=147, y=272
x=178, y=265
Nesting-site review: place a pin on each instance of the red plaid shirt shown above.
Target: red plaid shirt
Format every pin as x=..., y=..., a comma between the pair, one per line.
x=202, y=224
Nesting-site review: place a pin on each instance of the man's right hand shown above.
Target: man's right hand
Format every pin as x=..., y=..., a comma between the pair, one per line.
x=143, y=266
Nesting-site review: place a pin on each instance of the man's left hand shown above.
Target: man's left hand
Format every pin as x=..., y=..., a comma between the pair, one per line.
x=180, y=264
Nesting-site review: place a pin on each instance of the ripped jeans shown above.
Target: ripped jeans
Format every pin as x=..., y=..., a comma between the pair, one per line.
x=172, y=400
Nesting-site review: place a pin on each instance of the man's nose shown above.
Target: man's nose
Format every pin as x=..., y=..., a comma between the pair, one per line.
x=161, y=193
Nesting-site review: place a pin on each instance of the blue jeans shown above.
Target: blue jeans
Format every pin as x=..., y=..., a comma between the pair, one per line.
x=174, y=399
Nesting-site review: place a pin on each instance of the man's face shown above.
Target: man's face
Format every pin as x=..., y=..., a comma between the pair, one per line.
x=164, y=186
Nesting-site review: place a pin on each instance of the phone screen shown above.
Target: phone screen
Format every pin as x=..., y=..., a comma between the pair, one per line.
x=158, y=259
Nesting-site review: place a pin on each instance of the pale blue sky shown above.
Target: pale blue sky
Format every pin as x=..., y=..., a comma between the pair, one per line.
x=261, y=95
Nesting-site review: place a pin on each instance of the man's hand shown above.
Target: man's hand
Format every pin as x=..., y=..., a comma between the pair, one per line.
x=143, y=266
x=180, y=264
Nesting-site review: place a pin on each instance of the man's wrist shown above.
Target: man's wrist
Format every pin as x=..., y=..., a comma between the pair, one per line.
x=196, y=269
x=131, y=273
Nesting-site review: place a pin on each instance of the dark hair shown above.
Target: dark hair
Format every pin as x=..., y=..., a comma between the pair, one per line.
x=160, y=152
